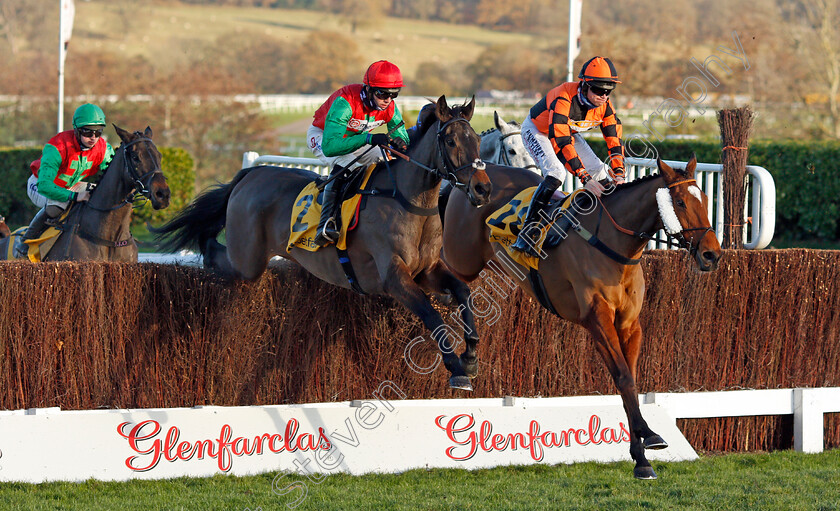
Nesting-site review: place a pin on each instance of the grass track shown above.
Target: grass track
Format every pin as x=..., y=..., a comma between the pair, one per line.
x=780, y=480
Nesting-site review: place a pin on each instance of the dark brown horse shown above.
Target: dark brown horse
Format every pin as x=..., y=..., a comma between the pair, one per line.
x=395, y=250
x=585, y=285
x=98, y=229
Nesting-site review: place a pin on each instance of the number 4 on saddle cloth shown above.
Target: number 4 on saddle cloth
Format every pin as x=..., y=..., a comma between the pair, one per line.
x=506, y=223
x=307, y=212
x=39, y=247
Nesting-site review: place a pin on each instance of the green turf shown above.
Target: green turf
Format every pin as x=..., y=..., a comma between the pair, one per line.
x=777, y=481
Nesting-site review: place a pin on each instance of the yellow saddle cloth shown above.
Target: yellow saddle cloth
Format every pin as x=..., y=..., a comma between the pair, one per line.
x=306, y=213
x=38, y=248
x=506, y=222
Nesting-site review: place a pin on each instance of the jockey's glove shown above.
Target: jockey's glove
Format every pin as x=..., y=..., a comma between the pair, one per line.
x=399, y=144
x=378, y=139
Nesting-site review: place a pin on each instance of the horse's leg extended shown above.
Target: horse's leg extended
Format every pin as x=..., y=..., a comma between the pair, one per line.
x=399, y=284
x=441, y=280
x=631, y=344
x=599, y=322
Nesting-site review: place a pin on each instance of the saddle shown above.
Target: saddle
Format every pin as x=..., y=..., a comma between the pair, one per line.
x=38, y=248
x=506, y=222
x=306, y=211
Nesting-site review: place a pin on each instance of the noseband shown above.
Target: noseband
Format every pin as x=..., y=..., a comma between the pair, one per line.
x=449, y=169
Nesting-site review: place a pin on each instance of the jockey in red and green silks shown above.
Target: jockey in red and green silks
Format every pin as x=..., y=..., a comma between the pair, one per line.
x=67, y=159
x=340, y=134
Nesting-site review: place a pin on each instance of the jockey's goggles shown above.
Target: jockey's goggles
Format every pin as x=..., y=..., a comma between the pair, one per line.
x=386, y=93
x=87, y=132
x=598, y=91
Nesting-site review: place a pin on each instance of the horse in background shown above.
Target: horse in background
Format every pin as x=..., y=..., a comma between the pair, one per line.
x=593, y=280
x=99, y=229
x=395, y=248
x=503, y=145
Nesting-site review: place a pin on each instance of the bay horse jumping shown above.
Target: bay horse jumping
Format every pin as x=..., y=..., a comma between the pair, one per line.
x=395, y=250
x=582, y=284
x=98, y=229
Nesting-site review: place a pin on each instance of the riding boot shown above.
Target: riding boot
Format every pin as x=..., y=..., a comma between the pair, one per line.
x=328, y=227
x=36, y=228
x=534, y=223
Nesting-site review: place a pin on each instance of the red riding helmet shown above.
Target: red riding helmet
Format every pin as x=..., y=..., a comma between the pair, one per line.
x=383, y=74
x=599, y=71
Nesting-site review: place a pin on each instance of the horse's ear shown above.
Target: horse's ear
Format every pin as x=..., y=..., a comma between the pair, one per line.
x=496, y=120
x=442, y=110
x=124, y=135
x=665, y=169
x=469, y=109
x=148, y=132
x=692, y=164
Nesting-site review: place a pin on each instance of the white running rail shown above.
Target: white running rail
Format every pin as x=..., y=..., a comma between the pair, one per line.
x=759, y=206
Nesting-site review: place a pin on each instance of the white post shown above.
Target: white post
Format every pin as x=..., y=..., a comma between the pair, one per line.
x=66, y=14
x=575, y=8
x=62, y=52
x=248, y=159
x=808, y=433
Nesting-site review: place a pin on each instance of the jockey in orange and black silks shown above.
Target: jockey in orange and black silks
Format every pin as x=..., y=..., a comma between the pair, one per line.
x=340, y=134
x=551, y=133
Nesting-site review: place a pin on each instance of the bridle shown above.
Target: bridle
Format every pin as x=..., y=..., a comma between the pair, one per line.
x=450, y=171
x=503, y=155
x=140, y=190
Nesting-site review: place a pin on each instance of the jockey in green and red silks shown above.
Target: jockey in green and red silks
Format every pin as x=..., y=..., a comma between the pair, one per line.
x=66, y=160
x=340, y=134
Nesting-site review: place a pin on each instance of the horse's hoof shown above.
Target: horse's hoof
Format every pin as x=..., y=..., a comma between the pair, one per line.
x=655, y=442
x=460, y=382
x=470, y=368
x=644, y=473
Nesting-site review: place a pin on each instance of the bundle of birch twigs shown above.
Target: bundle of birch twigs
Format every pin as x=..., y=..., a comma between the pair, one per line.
x=735, y=127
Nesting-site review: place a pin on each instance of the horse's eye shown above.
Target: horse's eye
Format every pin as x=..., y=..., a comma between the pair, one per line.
x=450, y=142
x=680, y=203
x=512, y=151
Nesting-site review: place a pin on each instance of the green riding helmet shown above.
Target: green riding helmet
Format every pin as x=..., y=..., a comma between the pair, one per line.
x=88, y=115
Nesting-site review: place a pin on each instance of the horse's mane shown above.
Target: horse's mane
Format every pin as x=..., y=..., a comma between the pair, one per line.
x=485, y=132
x=425, y=119
x=630, y=184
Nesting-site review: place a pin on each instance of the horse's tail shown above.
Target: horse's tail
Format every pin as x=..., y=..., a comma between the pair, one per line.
x=202, y=220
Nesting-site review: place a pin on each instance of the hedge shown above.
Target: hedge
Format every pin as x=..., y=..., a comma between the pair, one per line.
x=177, y=336
x=807, y=177
x=177, y=165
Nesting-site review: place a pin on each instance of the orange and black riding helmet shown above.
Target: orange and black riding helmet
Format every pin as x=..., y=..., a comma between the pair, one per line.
x=600, y=72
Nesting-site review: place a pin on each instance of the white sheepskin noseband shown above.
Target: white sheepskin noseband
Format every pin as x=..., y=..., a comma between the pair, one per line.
x=666, y=211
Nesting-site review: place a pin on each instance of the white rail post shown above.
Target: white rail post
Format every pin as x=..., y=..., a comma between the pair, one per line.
x=808, y=434
x=248, y=158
